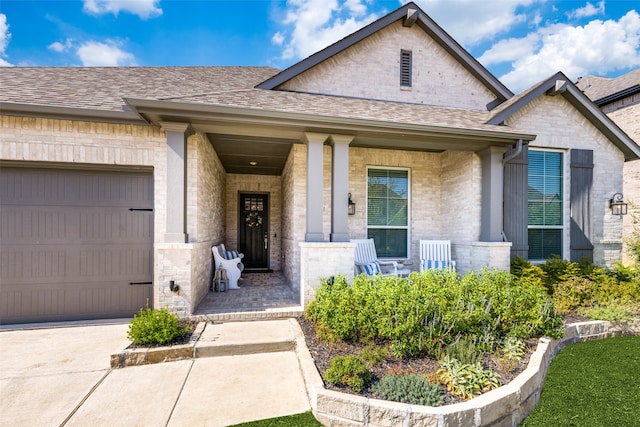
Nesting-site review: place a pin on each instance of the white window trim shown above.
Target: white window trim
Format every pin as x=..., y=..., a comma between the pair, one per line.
x=366, y=214
x=566, y=208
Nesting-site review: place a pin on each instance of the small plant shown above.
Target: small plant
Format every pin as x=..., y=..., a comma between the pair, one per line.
x=155, y=326
x=350, y=371
x=466, y=380
x=510, y=352
x=413, y=389
x=373, y=355
x=464, y=350
x=613, y=312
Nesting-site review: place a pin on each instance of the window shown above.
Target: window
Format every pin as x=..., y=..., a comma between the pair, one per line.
x=388, y=211
x=405, y=68
x=545, y=204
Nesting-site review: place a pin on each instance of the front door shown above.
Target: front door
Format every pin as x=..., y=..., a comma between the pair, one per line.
x=253, y=227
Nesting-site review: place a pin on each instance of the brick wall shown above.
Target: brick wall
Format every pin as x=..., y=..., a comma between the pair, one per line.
x=558, y=125
x=438, y=79
x=626, y=114
x=294, y=208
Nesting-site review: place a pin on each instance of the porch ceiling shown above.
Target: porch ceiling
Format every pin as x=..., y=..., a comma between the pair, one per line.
x=251, y=155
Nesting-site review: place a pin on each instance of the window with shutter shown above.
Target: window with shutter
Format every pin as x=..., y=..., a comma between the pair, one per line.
x=545, y=204
x=405, y=68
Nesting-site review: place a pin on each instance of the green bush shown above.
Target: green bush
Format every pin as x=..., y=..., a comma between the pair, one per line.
x=350, y=371
x=509, y=353
x=413, y=389
x=155, y=326
x=614, y=312
x=466, y=380
x=464, y=350
x=424, y=313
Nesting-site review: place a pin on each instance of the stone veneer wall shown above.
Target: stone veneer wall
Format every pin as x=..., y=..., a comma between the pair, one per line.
x=559, y=125
x=271, y=185
x=438, y=79
x=626, y=114
x=505, y=406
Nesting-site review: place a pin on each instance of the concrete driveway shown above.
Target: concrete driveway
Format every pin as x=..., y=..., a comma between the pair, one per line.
x=61, y=376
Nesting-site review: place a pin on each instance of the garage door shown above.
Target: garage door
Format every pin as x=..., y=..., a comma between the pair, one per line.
x=74, y=244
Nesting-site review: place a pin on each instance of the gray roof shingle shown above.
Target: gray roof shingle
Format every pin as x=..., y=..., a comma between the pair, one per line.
x=599, y=87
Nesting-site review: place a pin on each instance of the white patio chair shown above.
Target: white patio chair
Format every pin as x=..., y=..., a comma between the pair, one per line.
x=231, y=265
x=231, y=255
x=436, y=254
x=366, y=260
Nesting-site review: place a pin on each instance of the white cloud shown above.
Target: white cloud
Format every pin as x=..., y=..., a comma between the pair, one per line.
x=316, y=24
x=5, y=37
x=61, y=47
x=470, y=22
x=277, y=38
x=145, y=9
x=98, y=54
x=595, y=48
x=587, y=10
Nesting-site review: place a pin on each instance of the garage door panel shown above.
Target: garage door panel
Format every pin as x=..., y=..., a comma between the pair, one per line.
x=71, y=244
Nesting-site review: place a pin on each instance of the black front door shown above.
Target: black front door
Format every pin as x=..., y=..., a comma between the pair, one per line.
x=253, y=227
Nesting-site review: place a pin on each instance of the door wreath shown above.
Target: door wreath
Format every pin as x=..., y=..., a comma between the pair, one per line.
x=253, y=220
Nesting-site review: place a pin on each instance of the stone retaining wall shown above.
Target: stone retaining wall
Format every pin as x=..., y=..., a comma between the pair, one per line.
x=504, y=406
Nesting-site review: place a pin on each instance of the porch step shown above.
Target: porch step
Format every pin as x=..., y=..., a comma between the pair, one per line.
x=254, y=315
x=241, y=338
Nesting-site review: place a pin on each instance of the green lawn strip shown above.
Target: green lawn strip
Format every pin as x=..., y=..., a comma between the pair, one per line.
x=593, y=383
x=305, y=419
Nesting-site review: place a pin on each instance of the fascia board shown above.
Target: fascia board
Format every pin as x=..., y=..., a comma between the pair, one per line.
x=70, y=113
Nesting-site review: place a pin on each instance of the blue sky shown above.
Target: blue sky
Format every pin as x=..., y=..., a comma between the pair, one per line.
x=520, y=41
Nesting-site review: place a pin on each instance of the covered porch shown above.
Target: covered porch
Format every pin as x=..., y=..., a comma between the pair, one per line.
x=306, y=166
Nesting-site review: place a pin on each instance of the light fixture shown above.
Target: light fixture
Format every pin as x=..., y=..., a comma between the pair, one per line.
x=352, y=206
x=253, y=163
x=617, y=204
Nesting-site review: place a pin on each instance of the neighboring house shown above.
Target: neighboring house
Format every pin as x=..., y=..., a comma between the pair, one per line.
x=619, y=98
x=115, y=178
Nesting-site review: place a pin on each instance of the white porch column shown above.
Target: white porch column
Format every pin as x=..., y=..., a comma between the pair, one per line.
x=492, y=194
x=176, y=181
x=315, y=143
x=340, y=188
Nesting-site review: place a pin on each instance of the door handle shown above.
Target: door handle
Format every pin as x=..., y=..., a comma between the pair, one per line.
x=266, y=240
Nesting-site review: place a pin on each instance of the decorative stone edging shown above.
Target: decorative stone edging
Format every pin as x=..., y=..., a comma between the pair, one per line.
x=505, y=406
x=149, y=355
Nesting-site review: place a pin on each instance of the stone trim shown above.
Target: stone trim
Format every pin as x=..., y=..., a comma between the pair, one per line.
x=505, y=406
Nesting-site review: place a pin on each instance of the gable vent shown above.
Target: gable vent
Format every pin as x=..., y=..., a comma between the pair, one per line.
x=405, y=68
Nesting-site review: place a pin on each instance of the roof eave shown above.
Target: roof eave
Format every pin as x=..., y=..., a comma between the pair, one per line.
x=154, y=110
x=583, y=104
x=426, y=23
x=630, y=91
x=70, y=113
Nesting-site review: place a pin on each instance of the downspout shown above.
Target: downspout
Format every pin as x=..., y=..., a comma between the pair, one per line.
x=514, y=154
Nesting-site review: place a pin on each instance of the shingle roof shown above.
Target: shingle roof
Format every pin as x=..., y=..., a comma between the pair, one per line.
x=350, y=108
x=599, y=87
x=103, y=88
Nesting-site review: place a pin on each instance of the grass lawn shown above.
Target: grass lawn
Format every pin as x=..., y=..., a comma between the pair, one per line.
x=300, y=420
x=594, y=383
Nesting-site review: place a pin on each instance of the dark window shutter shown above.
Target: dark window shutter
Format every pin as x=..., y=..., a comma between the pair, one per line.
x=405, y=68
x=580, y=198
x=515, y=203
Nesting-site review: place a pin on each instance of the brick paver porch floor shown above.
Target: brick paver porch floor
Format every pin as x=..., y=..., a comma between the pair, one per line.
x=261, y=296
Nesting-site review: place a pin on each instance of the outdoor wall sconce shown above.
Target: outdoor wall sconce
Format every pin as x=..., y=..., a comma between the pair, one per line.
x=173, y=286
x=352, y=206
x=617, y=204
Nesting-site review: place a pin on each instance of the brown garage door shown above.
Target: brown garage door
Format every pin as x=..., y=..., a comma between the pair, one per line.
x=74, y=244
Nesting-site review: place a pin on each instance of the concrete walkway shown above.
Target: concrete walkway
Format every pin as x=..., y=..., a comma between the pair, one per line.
x=60, y=376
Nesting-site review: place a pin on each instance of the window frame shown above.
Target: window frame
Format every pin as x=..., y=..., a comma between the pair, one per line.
x=563, y=227
x=407, y=228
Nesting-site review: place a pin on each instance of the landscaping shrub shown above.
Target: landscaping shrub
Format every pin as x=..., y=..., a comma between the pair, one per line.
x=413, y=389
x=509, y=353
x=155, y=326
x=422, y=314
x=350, y=371
x=466, y=380
x=464, y=350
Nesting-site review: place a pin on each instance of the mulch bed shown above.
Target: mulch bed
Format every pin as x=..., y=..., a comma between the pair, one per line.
x=322, y=353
